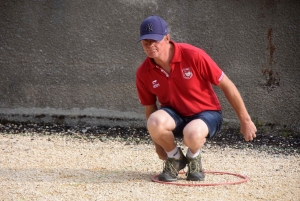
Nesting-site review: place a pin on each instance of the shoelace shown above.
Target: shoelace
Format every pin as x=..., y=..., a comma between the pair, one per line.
x=169, y=168
x=193, y=166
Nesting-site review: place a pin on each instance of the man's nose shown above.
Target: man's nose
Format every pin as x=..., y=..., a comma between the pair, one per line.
x=149, y=42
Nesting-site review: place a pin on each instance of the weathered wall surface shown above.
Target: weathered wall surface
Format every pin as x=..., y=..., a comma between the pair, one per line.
x=74, y=62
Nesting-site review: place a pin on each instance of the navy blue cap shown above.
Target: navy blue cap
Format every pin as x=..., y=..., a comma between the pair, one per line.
x=154, y=28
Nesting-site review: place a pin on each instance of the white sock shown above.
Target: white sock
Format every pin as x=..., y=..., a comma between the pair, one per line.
x=191, y=155
x=174, y=153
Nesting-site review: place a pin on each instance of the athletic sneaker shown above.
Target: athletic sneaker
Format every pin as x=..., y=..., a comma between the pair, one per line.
x=171, y=168
x=195, y=171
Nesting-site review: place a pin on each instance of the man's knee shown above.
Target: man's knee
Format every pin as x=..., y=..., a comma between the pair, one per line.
x=194, y=136
x=154, y=121
x=160, y=121
x=195, y=131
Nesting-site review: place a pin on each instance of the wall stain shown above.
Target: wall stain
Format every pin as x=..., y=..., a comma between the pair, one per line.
x=272, y=77
x=271, y=46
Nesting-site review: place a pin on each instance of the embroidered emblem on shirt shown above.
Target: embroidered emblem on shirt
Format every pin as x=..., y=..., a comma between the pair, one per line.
x=155, y=84
x=187, y=73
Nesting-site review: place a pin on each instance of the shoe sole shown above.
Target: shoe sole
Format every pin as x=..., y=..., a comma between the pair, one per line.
x=195, y=178
x=170, y=180
x=166, y=180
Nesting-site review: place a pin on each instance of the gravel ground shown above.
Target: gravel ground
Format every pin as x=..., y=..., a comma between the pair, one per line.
x=101, y=163
x=270, y=139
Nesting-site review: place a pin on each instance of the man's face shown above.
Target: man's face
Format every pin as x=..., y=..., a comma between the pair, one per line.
x=154, y=48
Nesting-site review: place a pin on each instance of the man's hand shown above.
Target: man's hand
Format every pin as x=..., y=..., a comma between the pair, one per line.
x=248, y=129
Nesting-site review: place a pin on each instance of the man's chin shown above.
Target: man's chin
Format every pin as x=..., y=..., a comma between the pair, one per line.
x=152, y=56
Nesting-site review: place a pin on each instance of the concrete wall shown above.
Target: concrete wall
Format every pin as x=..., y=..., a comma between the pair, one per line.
x=74, y=62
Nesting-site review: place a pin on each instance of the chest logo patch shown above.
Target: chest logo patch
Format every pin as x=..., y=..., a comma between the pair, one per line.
x=155, y=84
x=187, y=73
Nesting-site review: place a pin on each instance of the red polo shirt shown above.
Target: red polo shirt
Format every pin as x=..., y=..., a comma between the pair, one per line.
x=187, y=89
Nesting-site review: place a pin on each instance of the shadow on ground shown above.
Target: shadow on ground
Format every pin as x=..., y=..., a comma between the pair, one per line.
x=75, y=176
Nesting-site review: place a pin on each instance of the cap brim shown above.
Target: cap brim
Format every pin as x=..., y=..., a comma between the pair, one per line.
x=156, y=37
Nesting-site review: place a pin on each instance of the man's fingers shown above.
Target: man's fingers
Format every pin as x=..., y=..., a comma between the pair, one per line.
x=249, y=137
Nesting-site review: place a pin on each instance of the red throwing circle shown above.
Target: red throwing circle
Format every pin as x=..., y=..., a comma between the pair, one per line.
x=244, y=179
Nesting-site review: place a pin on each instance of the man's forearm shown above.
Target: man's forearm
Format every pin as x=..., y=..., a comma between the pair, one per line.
x=234, y=98
x=248, y=129
x=237, y=103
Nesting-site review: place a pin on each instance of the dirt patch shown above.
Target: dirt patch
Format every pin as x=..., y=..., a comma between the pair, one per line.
x=270, y=139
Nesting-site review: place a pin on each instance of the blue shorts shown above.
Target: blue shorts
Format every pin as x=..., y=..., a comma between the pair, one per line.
x=213, y=120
